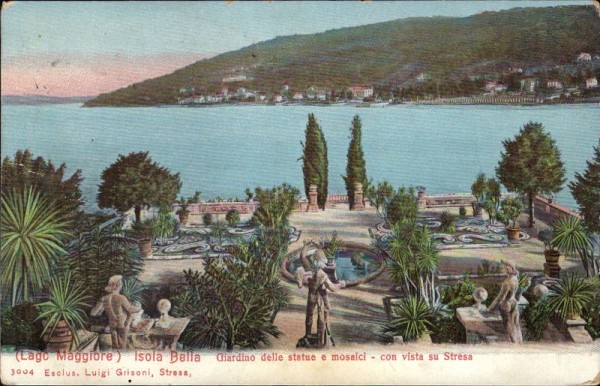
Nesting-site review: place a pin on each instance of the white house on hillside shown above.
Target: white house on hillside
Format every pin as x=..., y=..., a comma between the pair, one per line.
x=361, y=90
x=554, y=84
x=591, y=83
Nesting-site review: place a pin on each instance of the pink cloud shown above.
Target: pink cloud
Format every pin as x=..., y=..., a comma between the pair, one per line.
x=79, y=75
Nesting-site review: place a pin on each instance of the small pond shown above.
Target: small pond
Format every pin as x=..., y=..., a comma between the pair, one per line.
x=349, y=264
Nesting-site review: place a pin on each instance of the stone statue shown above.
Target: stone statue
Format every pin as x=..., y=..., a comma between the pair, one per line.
x=312, y=275
x=119, y=311
x=507, y=302
x=164, y=306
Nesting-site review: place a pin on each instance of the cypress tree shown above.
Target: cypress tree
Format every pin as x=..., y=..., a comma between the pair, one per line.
x=315, y=163
x=586, y=191
x=356, y=167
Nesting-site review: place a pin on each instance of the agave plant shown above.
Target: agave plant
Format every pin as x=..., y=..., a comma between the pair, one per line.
x=218, y=230
x=32, y=230
x=413, y=320
x=67, y=302
x=571, y=236
x=569, y=295
x=133, y=289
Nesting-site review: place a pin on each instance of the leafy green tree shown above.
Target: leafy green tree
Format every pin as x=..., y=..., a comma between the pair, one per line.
x=586, y=191
x=530, y=164
x=492, y=198
x=26, y=171
x=32, y=235
x=356, y=170
x=479, y=190
x=403, y=206
x=315, y=164
x=136, y=181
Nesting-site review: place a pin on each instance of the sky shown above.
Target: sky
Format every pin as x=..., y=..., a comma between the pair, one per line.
x=87, y=48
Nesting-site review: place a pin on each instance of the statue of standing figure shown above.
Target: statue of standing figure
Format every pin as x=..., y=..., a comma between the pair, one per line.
x=507, y=302
x=312, y=275
x=119, y=311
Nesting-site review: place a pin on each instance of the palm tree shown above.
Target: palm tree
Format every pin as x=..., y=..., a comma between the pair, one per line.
x=571, y=236
x=32, y=230
x=413, y=260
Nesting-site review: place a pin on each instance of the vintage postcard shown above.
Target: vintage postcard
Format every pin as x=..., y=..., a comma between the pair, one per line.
x=300, y=192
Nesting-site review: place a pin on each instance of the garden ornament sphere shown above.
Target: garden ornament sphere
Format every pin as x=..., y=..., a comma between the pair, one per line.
x=480, y=295
x=540, y=291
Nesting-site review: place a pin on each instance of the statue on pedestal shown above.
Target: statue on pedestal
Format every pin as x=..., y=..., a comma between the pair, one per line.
x=507, y=302
x=119, y=311
x=313, y=275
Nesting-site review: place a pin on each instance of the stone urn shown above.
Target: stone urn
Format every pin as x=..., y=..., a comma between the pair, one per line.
x=145, y=246
x=551, y=256
x=61, y=338
x=514, y=233
x=184, y=216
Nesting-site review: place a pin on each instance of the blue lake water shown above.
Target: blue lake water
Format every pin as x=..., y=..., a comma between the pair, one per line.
x=222, y=150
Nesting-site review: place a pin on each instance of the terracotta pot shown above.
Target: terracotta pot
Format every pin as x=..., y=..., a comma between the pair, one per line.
x=184, y=217
x=477, y=211
x=551, y=256
x=145, y=246
x=513, y=233
x=61, y=338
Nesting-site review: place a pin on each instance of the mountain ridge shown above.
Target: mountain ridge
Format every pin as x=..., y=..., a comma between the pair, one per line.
x=385, y=54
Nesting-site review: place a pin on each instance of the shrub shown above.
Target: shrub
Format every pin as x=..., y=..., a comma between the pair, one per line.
x=459, y=294
x=535, y=318
x=447, y=220
x=413, y=320
x=462, y=211
x=591, y=311
x=21, y=327
x=402, y=207
x=207, y=219
x=234, y=301
x=448, y=329
x=232, y=217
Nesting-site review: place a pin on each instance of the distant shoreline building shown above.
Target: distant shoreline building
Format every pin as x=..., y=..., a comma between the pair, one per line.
x=237, y=78
x=361, y=90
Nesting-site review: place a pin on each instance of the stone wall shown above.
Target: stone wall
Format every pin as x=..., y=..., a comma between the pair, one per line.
x=547, y=210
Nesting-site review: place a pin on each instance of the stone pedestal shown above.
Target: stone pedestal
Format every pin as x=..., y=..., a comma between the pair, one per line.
x=552, y=270
x=312, y=199
x=357, y=202
x=481, y=326
x=421, y=200
x=573, y=329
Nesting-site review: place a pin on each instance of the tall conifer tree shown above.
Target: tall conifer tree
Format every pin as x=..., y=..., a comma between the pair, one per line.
x=586, y=190
x=315, y=164
x=356, y=168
